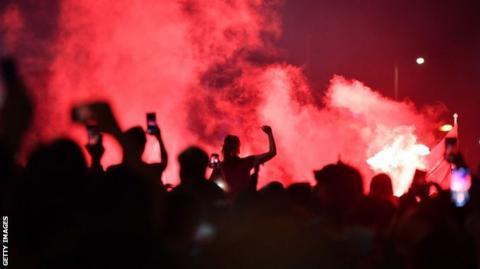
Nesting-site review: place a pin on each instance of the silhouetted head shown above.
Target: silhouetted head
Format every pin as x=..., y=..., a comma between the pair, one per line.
x=136, y=139
x=381, y=186
x=339, y=183
x=61, y=159
x=193, y=164
x=272, y=194
x=272, y=188
x=231, y=146
x=300, y=194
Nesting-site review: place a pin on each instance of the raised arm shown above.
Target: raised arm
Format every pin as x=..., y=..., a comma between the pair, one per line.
x=163, y=151
x=96, y=152
x=272, y=151
x=17, y=108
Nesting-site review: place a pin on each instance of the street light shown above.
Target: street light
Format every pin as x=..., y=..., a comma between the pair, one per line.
x=419, y=61
x=446, y=128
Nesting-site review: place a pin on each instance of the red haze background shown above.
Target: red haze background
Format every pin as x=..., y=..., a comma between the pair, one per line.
x=207, y=68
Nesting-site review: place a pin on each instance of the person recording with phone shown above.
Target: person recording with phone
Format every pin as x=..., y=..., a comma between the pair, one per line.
x=133, y=144
x=234, y=169
x=153, y=129
x=98, y=117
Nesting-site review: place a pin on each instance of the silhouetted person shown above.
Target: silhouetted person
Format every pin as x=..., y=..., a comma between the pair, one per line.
x=194, y=206
x=193, y=165
x=418, y=191
x=236, y=170
x=300, y=196
x=17, y=108
x=54, y=205
x=133, y=145
x=15, y=117
x=381, y=203
x=272, y=198
x=133, y=197
x=381, y=188
x=339, y=190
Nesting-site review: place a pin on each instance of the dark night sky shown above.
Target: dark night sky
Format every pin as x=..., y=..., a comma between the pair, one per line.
x=364, y=39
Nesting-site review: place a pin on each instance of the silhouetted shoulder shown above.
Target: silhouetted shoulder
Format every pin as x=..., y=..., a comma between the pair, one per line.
x=113, y=168
x=248, y=161
x=155, y=167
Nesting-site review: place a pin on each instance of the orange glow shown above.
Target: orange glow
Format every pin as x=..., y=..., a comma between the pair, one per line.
x=446, y=128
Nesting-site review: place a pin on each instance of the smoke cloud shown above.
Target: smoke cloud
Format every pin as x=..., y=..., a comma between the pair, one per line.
x=210, y=68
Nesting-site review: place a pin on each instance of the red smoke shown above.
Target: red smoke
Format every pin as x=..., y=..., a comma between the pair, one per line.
x=209, y=68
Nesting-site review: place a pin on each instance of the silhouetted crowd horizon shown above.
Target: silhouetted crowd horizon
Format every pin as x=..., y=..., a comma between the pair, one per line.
x=64, y=213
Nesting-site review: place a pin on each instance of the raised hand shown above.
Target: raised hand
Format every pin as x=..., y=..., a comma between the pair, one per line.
x=98, y=113
x=96, y=150
x=267, y=129
x=155, y=131
x=272, y=151
x=104, y=116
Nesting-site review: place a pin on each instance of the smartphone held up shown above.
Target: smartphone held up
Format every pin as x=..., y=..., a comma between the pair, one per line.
x=83, y=114
x=94, y=135
x=460, y=178
x=460, y=182
x=152, y=126
x=214, y=160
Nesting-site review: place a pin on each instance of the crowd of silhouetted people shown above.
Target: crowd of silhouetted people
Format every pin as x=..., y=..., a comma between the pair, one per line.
x=65, y=213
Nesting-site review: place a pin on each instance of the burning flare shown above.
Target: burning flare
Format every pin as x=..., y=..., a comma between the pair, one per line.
x=400, y=157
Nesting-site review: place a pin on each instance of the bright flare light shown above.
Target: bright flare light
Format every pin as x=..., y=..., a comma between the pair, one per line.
x=399, y=159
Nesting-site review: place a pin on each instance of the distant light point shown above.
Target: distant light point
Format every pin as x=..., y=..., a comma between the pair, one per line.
x=420, y=60
x=446, y=128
